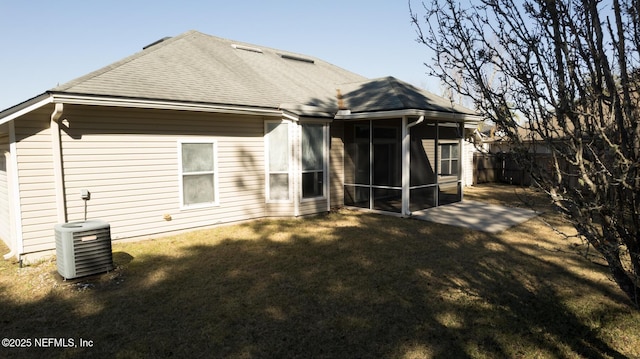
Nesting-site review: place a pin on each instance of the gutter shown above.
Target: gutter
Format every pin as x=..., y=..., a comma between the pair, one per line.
x=434, y=115
x=298, y=111
x=95, y=100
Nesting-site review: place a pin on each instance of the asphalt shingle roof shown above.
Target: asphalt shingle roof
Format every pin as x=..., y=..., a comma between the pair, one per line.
x=195, y=67
x=389, y=93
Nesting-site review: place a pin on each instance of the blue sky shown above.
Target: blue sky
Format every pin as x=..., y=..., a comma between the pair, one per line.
x=46, y=43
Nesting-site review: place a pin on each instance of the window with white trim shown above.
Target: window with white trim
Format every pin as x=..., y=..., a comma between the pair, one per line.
x=449, y=159
x=313, y=160
x=198, y=178
x=279, y=161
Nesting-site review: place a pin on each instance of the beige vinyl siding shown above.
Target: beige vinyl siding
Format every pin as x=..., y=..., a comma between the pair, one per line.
x=280, y=209
x=423, y=153
x=128, y=159
x=336, y=164
x=36, y=180
x=429, y=146
x=6, y=222
x=468, y=149
x=313, y=206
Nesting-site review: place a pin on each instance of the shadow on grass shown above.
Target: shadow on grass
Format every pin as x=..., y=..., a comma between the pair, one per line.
x=369, y=286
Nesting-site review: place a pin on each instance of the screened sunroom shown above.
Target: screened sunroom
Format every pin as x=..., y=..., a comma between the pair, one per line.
x=402, y=165
x=402, y=146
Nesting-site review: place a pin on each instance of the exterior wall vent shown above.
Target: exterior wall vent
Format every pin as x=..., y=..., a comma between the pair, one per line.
x=83, y=248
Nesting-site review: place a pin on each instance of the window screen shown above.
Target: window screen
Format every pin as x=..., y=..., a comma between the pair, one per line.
x=198, y=173
x=278, y=148
x=312, y=160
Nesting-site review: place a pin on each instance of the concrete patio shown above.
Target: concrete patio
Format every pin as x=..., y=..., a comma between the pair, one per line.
x=478, y=216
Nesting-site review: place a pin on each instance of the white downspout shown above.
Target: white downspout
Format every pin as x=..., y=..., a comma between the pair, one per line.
x=420, y=120
x=327, y=163
x=297, y=173
x=406, y=162
x=18, y=242
x=56, y=150
x=461, y=165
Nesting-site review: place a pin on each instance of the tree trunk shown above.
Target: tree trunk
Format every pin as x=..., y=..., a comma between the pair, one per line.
x=622, y=278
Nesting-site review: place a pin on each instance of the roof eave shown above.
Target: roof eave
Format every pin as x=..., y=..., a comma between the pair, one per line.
x=25, y=107
x=100, y=100
x=428, y=114
x=307, y=111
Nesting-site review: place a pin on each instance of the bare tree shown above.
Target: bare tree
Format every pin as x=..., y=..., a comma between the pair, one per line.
x=571, y=70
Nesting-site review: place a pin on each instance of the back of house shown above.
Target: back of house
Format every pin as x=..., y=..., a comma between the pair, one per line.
x=196, y=131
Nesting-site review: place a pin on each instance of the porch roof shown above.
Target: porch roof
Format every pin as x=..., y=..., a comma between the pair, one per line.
x=390, y=97
x=389, y=93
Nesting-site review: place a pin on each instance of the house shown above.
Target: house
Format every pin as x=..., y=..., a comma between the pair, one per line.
x=195, y=131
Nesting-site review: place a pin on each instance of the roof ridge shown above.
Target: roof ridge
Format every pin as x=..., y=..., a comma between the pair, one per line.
x=393, y=84
x=435, y=97
x=149, y=49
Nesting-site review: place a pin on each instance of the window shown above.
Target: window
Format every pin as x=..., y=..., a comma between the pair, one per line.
x=198, y=173
x=312, y=160
x=278, y=161
x=449, y=159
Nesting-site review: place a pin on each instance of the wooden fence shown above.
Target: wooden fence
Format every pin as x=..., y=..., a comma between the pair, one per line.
x=503, y=168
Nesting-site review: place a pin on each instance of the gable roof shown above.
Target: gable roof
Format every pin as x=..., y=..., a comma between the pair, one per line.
x=196, y=67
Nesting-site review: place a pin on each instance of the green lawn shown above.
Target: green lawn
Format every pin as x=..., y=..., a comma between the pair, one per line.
x=342, y=285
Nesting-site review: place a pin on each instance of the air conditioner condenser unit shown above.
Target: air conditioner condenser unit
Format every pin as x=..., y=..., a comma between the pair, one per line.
x=83, y=248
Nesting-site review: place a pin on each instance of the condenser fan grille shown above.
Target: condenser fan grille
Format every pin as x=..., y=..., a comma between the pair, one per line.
x=83, y=248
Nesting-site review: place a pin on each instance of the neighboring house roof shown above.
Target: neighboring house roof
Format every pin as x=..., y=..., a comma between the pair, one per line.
x=196, y=68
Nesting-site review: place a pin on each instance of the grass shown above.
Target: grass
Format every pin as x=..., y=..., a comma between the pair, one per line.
x=342, y=285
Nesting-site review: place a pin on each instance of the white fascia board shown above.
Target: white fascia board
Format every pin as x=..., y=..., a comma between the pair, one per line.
x=22, y=109
x=431, y=115
x=73, y=99
x=473, y=124
x=306, y=111
x=290, y=116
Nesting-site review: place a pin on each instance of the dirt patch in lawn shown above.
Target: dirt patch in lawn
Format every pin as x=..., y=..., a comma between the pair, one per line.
x=346, y=284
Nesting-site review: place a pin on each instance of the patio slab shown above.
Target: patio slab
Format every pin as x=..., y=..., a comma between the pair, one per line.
x=478, y=216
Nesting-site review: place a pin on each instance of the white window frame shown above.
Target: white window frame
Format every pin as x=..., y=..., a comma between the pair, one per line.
x=325, y=160
x=214, y=173
x=267, y=165
x=440, y=159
